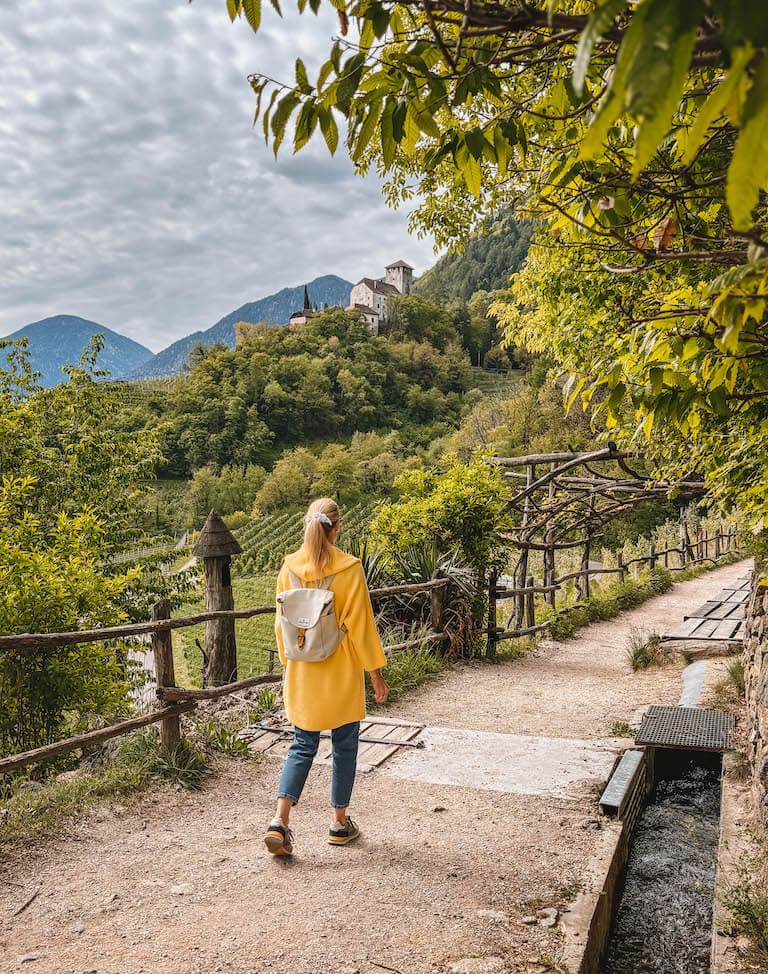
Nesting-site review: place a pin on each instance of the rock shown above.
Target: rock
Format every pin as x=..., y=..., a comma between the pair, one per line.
x=529, y=921
x=31, y=786
x=69, y=775
x=493, y=915
x=549, y=916
x=77, y=928
x=439, y=808
x=28, y=958
x=182, y=889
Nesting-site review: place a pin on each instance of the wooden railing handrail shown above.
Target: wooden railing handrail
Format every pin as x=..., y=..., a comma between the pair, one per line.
x=41, y=640
x=14, y=761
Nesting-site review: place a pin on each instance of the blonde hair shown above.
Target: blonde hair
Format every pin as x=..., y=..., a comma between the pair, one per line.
x=317, y=529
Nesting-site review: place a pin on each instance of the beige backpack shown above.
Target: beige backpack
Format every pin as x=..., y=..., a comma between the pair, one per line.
x=311, y=631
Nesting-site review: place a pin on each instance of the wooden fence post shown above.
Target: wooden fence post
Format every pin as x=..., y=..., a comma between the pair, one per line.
x=717, y=545
x=583, y=579
x=162, y=649
x=620, y=565
x=493, y=581
x=652, y=556
x=215, y=546
x=530, y=607
x=438, y=598
x=550, y=597
x=683, y=539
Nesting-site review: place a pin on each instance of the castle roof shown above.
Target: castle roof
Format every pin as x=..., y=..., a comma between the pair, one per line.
x=364, y=308
x=378, y=287
x=399, y=263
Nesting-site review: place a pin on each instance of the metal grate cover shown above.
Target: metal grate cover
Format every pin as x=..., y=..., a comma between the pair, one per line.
x=687, y=728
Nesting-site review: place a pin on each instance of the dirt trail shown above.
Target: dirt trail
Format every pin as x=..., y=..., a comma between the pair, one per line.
x=176, y=883
x=577, y=688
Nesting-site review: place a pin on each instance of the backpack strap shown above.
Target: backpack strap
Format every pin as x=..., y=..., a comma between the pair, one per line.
x=326, y=582
x=294, y=579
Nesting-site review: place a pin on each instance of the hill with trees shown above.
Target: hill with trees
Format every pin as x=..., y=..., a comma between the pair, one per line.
x=274, y=309
x=486, y=263
x=310, y=384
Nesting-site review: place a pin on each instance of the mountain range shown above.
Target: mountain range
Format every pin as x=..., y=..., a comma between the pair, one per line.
x=59, y=340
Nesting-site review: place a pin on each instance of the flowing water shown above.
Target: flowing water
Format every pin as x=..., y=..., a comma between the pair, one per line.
x=664, y=921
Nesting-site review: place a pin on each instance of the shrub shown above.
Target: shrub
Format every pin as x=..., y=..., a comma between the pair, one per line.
x=747, y=903
x=660, y=580
x=643, y=649
x=621, y=728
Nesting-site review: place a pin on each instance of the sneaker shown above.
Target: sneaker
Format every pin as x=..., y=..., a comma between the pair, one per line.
x=341, y=834
x=278, y=838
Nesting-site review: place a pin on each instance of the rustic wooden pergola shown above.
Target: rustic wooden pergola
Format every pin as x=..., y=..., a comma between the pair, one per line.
x=562, y=501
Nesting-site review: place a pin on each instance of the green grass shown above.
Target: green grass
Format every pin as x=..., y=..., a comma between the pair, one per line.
x=643, y=649
x=621, y=728
x=33, y=808
x=254, y=636
x=747, y=903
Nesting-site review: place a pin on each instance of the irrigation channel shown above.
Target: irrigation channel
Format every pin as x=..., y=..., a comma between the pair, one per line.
x=663, y=924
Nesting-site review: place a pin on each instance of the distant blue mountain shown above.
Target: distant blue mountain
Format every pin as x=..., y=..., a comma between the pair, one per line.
x=60, y=340
x=275, y=309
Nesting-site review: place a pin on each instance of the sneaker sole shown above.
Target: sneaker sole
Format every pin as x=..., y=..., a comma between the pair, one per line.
x=276, y=844
x=342, y=839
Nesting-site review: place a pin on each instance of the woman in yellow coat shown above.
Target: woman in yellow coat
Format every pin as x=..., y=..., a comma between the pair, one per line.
x=329, y=694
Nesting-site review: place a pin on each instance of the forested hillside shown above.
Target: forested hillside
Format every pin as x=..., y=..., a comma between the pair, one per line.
x=275, y=309
x=486, y=264
x=314, y=383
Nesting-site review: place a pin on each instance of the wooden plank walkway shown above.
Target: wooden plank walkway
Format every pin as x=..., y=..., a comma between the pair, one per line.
x=380, y=738
x=719, y=619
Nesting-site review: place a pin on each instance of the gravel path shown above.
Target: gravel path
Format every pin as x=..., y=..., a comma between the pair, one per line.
x=176, y=883
x=577, y=688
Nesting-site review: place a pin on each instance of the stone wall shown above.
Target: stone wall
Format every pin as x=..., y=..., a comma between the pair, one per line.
x=756, y=683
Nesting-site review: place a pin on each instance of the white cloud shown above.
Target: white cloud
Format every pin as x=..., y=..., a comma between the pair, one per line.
x=134, y=189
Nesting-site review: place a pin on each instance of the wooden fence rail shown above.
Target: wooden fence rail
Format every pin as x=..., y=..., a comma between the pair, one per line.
x=689, y=553
x=174, y=700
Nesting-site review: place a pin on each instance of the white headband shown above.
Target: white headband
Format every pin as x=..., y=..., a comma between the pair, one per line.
x=319, y=516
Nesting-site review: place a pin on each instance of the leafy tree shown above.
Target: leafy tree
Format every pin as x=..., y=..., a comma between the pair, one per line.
x=634, y=133
x=51, y=581
x=458, y=507
x=321, y=381
x=70, y=478
x=66, y=439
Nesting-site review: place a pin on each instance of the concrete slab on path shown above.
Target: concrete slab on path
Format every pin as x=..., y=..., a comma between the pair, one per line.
x=548, y=767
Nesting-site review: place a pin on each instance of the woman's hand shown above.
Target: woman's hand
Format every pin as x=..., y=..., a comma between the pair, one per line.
x=380, y=686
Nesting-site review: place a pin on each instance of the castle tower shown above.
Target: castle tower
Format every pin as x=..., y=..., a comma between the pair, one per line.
x=399, y=275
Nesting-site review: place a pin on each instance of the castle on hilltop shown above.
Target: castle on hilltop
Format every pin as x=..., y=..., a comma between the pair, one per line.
x=369, y=296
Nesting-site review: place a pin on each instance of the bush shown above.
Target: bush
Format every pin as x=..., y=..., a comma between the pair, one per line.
x=747, y=903
x=643, y=649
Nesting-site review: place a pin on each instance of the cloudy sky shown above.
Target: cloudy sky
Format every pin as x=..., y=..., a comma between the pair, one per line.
x=133, y=188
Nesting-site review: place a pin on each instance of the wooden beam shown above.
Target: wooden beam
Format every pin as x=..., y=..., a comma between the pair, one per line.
x=92, y=737
x=211, y=693
x=45, y=639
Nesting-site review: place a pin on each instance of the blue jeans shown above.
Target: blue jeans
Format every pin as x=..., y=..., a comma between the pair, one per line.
x=301, y=754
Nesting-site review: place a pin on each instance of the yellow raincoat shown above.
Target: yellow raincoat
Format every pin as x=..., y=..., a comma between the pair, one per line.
x=323, y=695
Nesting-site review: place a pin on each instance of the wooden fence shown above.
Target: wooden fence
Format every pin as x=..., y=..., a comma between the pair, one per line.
x=697, y=551
x=220, y=620
x=174, y=700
